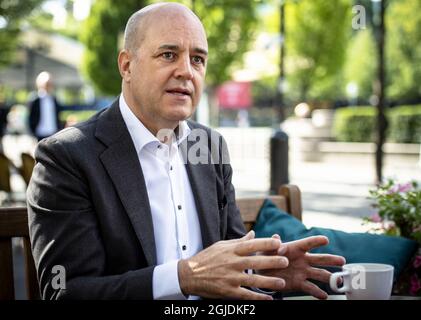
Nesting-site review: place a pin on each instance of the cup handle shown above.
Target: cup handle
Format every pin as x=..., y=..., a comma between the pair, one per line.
x=333, y=282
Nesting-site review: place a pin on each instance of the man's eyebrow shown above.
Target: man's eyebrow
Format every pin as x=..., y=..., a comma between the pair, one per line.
x=201, y=51
x=176, y=48
x=169, y=47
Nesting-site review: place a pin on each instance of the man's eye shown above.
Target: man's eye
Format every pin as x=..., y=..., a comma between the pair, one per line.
x=198, y=60
x=168, y=55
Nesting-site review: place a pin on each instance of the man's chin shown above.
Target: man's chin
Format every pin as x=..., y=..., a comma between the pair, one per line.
x=180, y=114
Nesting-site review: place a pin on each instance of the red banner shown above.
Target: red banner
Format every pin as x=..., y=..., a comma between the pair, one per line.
x=234, y=95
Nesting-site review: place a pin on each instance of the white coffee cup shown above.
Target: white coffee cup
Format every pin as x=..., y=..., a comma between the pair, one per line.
x=364, y=281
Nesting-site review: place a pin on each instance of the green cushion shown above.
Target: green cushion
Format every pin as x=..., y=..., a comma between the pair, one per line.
x=355, y=247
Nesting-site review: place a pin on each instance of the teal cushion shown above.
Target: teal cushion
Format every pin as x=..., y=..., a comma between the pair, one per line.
x=355, y=247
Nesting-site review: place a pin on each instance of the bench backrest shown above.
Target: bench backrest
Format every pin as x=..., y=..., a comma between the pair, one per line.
x=288, y=199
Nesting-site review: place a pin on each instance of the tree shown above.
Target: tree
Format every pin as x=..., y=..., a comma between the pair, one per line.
x=229, y=26
x=316, y=40
x=102, y=34
x=361, y=61
x=11, y=15
x=403, y=51
x=403, y=55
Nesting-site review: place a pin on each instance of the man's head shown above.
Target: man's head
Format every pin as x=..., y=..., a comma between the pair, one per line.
x=163, y=64
x=44, y=82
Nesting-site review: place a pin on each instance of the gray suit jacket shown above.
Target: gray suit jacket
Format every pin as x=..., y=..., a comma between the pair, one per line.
x=89, y=210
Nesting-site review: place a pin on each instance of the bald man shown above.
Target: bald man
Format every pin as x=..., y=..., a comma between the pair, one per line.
x=137, y=203
x=44, y=109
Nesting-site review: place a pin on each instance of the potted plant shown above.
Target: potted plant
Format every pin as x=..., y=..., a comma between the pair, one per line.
x=399, y=214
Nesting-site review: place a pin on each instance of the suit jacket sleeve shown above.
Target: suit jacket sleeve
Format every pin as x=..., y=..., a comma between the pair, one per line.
x=64, y=231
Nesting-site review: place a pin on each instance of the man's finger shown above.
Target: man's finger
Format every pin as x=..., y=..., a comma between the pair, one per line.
x=325, y=260
x=264, y=262
x=319, y=275
x=249, y=247
x=250, y=235
x=313, y=290
x=264, y=282
x=273, y=252
x=277, y=236
x=309, y=243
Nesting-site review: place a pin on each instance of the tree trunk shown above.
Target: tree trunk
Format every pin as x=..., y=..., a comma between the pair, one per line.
x=379, y=92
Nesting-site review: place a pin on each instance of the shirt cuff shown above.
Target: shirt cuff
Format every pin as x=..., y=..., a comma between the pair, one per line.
x=165, y=284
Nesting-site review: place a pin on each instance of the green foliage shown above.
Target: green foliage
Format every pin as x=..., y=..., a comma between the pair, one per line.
x=316, y=40
x=76, y=116
x=229, y=27
x=405, y=124
x=354, y=124
x=398, y=213
x=403, y=51
x=401, y=205
x=403, y=56
x=101, y=34
x=357, y=124
x=228, y=24
x=43, y=21
x=360, y=67
x=13, y=12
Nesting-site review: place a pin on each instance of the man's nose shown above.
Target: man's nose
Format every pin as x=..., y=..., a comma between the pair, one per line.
x=184, y=69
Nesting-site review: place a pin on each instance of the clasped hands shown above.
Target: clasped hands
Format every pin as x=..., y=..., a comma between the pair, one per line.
x=219, y=270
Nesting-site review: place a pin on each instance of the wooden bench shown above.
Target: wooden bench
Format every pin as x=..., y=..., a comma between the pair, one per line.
x=14, y=223
x=288, y=199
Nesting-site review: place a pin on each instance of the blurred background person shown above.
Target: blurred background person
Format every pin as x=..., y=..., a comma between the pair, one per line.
x=4, y=110
x=44, y=109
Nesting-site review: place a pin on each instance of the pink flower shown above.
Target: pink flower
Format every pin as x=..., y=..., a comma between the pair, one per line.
x=388, y=225
x=400, y=188
x=375, y=217
x=405, y=187
x=417, y=261
x=415, y=285
x=416, y=229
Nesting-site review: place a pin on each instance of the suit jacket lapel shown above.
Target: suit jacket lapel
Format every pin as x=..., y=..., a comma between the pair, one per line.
x=203, y=183
x=122, y=164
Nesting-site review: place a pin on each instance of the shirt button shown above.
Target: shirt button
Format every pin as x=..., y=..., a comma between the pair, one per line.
x=159, y=146
x=170, y=167
x=184, y=248
x=179, y=207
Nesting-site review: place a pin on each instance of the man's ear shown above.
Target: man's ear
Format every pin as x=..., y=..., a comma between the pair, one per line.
x=124, y=64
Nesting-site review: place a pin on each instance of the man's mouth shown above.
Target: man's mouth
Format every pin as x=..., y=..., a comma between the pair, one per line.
x=179, y=91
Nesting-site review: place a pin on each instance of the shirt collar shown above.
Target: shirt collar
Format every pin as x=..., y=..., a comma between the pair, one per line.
x=141, y=136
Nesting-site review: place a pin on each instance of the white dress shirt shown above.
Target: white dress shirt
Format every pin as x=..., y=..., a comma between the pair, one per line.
x=174, y=214
x=47, y=124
